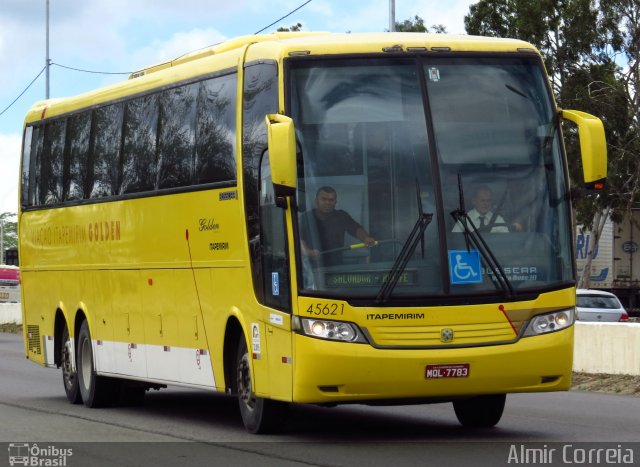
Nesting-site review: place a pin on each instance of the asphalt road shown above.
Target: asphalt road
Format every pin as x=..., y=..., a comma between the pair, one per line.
x=177, y=426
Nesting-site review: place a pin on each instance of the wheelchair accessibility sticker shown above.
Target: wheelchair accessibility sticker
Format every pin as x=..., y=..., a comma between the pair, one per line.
x=464, y=267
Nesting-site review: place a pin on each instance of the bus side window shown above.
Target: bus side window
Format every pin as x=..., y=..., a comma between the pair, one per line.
x=215, y=146
x=32, y=141
x=106, y=138
x=52, y=162
x=139, y=164
x=176, y=138
x=80, y=164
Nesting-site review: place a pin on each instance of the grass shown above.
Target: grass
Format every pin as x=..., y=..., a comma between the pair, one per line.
x=600, y=382
x=11, y=328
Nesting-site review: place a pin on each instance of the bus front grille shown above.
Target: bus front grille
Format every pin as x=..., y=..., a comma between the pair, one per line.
x=441, y=335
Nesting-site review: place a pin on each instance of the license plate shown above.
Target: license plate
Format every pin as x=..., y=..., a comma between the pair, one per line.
x=458, y=370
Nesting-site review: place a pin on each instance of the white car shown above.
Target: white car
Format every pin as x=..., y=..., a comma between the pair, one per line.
x=599, y=306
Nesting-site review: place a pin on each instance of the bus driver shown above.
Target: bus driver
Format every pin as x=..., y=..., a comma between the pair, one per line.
x=482, y=215
x=330, y=225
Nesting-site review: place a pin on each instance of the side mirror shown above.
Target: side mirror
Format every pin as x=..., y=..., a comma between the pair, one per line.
x=282, y=154
x=593, y=147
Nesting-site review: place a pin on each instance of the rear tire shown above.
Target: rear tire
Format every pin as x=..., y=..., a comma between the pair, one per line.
x=480, y=411
x=69, y=372
x=96, y=391
x=259, y=415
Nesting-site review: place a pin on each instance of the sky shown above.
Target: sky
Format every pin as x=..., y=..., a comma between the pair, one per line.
x=120, y=36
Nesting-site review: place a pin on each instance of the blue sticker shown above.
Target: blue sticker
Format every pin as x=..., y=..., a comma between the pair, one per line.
x=464, y=267
x=275, y=284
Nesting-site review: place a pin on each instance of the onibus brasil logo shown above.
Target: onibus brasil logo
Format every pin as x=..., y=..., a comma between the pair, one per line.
x=34, y=455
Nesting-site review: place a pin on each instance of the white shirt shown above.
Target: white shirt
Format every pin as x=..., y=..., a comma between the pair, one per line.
x=474, y=216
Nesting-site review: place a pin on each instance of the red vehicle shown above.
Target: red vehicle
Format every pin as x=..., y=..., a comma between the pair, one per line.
x=9, y=275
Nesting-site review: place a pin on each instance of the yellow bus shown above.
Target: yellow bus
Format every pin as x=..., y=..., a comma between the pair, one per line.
x=296, y=218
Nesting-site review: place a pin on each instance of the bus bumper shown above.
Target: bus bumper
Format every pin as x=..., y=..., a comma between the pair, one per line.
x=332, y=372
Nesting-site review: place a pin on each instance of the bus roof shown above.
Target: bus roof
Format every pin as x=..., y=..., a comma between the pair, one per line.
x=274, y=46
x=339, y=43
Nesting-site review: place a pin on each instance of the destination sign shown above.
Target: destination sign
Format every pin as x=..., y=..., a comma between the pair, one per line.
x=367, y=278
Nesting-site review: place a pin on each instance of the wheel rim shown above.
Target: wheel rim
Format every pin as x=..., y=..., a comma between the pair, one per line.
x=85, y=362
x=68, y=375
x=244, y=383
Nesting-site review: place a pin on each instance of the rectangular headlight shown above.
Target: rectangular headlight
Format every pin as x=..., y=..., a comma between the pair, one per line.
x=328, y=329
x=550, y=322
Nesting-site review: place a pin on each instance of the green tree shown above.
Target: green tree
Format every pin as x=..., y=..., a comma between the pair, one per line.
x=9, y=232
x=293, y=28
x=568, y=33
x=591, y=51
x=417, y=25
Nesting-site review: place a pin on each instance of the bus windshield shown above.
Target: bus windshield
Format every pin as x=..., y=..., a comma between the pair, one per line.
x=443, y=174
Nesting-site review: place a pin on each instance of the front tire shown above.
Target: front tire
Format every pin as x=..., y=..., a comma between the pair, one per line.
x=69, y=372
x=96, y=391
x=480, y=411
x=259, y=415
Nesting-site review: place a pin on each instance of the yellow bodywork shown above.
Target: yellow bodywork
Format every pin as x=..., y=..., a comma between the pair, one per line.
x=169, y=272
x=593, y=147
x=391, y=368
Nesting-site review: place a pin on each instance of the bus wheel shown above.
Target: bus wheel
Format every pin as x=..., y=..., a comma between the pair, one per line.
x=480, y=411
x=258, y=415
x=69, y=374
x=96, y=391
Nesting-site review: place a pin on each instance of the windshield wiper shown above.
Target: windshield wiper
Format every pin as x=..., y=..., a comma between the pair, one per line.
x=416, y=235
x=472, y=235
x=517, y=91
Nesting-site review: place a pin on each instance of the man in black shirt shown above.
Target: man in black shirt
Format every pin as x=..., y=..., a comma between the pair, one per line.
x=322, y=229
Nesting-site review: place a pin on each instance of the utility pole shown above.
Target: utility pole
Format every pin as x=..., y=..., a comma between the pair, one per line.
x=1, y=240
x=47, y=62
x=392, y=15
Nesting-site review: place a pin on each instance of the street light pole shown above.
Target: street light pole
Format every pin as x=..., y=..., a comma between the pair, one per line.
x=392, y=15
x=1, y=240
x=47, y=63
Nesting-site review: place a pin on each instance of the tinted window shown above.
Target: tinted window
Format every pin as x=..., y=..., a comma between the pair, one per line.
x=260, y=98
x=597, y=301
x=80, y=168
x=139, y=162
x=176, y=140
x=37, y=140
x=52, y=162
x=215, y=159
x=108, y=137
x=275, y=261
x=26, y=166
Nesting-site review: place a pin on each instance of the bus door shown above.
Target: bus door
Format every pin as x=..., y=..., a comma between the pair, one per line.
x=277, y=288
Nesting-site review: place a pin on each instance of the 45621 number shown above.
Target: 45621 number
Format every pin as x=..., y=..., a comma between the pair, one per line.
x=326, y=309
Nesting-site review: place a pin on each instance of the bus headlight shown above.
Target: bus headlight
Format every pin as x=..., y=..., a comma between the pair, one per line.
x=550, y=322
x=328, y=329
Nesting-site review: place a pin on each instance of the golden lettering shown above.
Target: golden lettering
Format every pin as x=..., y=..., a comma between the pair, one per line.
x=60, y=235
